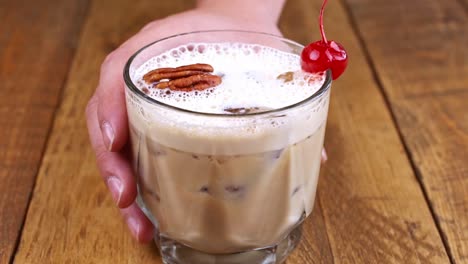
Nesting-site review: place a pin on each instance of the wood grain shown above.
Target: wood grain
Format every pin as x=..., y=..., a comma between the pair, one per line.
x=464, y=3
x=374, y=209
x=314, y=247
x=90, y=222
x=423, y=67
x=370, y=206
x=72, y=217
x=80, y=222
x=37, y=43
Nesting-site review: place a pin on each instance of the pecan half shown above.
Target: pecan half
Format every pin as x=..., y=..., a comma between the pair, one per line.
x=156, y=77
x=184, y=78
x=197, y=82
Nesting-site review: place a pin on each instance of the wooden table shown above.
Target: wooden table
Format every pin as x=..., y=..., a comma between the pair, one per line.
x=395, y=189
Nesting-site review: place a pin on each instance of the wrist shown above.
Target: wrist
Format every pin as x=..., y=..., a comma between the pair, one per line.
x=259, y=11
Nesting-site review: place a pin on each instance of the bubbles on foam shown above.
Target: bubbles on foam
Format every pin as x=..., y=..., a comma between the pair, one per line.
x=249, y=75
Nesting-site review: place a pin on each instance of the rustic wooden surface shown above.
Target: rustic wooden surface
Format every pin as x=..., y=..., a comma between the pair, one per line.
x=428, y=95
x=37, y=44
x=395, y=189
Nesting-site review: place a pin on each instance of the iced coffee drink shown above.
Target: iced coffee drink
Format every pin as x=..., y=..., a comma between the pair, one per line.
x=227, y=164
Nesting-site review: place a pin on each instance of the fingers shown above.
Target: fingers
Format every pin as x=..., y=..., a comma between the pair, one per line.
x=114, y=166
x=108, y=130
x=324, y=156
x=140, y=226
x=111, y=110
x=117, y=174
x=112, y=114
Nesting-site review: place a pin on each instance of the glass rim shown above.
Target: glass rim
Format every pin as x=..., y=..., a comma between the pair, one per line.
x=135, y=90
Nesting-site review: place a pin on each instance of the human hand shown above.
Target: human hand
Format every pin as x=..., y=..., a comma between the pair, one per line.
x=106, y=113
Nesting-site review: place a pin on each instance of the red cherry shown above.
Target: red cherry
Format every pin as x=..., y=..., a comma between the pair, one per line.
x=322, y=55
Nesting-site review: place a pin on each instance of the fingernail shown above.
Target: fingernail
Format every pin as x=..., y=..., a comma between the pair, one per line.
x=134, y=226
x=324, y=156
x=115, y=186
x=107, y=135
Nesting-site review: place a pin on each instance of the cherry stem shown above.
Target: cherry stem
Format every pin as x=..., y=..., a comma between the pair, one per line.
x=322, y=31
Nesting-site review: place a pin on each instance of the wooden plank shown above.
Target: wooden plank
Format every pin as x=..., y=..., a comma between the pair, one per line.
x=36, y=47
x=314, y=247
x=419, y=49
x=69, y=194
x=370, y=207
x=374, y=208
x=465, y=4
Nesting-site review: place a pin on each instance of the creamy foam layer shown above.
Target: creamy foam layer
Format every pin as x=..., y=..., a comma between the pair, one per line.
x=249, y=81
x=249, y=78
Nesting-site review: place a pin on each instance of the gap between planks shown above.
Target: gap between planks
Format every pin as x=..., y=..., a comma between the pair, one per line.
x=378, y=81
x=49, y=132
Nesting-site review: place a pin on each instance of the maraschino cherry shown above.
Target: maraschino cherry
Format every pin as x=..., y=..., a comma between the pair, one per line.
x=324, y=54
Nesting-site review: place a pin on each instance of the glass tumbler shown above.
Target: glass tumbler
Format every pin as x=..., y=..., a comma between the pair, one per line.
x=223, y=188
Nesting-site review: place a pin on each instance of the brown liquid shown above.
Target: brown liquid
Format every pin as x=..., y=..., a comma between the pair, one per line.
x=227, y=203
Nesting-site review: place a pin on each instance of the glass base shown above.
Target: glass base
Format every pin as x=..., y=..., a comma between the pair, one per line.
x=173, y=252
